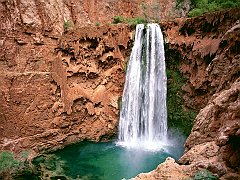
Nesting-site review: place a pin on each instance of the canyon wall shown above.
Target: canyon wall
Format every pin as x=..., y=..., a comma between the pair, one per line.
x=48, y=16
x=56, y=91
x=209, y=46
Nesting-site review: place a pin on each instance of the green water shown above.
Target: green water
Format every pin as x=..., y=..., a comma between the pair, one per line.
x=106, y=161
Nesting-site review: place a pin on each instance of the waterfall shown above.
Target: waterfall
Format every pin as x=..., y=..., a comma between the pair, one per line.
x=143, y=117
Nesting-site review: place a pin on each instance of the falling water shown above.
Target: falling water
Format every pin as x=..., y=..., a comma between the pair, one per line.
x=143, y=117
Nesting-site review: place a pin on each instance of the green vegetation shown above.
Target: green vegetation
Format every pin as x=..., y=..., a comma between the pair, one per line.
x=24, y=155
x=97, y=24
x=8, y=162
x=118, y=19
x=134, y=21
x=14, y=168
x=202, y=6
x=179, y=117
x=204, y=175
x=131, y=21
x=178, y=2
x=150, y=13
x=68, y=25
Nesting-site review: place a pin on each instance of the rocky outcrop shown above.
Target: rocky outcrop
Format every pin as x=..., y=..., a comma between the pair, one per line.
x=214, y=141
x=58, y=91
x=209, y=49
x=169, y=170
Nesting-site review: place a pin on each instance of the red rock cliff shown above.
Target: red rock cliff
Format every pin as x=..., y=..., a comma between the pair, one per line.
x=48, y=16
x=59, y=91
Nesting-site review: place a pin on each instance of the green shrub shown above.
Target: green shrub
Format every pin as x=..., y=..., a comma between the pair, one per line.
x=97, y=24
x=204, y=175
x=8, y=161
x=118, y=19
x=24, y=155
x=130, y=21
x=196, y=12
x=13, y=168
x=230, y=4
x=202, y=6
x=178, y=2
x=135, y=21
x=68, y=25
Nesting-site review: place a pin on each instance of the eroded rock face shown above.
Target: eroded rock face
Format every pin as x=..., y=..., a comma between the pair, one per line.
x=214, y=141
x=54, y=88
x=209, y=46
x=59, y=91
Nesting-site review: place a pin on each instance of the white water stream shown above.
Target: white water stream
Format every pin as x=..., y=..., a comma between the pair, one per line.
x=143, y=117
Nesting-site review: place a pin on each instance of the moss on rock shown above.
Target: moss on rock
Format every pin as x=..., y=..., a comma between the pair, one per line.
x=179, y=117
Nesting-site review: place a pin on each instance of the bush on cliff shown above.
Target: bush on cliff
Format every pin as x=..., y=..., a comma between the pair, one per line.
x=130, y=21
x=118, y=19
x=202, y=6
x=134, y=21
x=178, y=116
x=97, y=24
x=68, y=24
